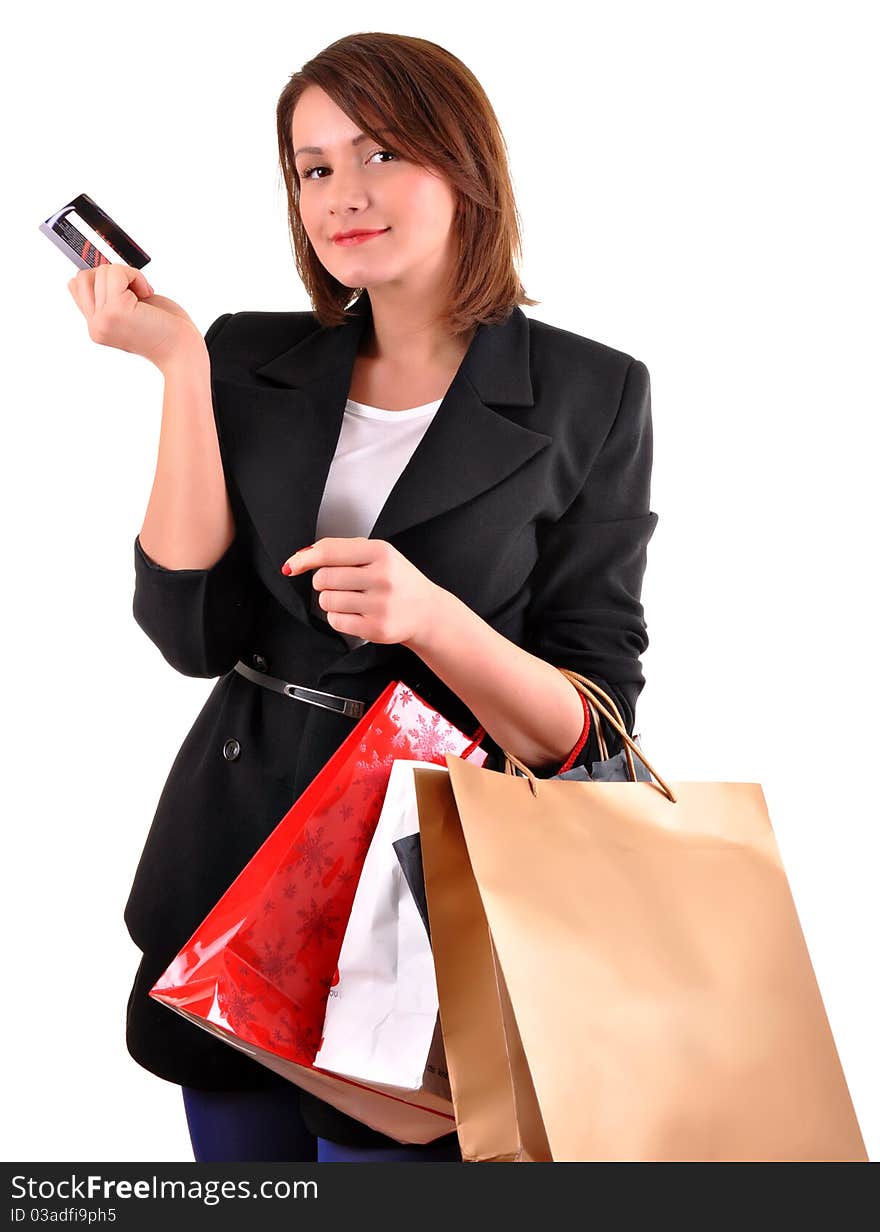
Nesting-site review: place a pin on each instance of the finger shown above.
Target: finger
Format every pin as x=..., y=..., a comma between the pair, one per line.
x=113, y=280
x=82, y=288
x=74, y=288
x=99, y=285
x=355, y=578
x=354, y=550
x=342, y=622
x=141, y=286
x=348, y=602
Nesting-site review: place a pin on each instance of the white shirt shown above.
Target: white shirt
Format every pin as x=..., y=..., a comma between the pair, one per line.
x=373, y=448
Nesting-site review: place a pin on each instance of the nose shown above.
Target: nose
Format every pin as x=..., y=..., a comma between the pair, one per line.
x=347, y=194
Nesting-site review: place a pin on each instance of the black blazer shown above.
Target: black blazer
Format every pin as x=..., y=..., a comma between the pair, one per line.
x=528, y=497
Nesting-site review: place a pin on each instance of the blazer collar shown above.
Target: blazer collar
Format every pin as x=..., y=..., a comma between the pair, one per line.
x=280, y=437
x=496, y=362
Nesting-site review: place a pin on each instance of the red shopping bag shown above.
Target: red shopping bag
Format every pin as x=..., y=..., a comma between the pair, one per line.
x=259, y=968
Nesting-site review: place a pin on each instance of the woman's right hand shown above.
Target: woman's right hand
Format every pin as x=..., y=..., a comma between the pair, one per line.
x=122, y=311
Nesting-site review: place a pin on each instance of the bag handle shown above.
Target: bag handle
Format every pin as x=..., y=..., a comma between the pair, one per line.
x=592, y=692
x=596, y=722
x=595, y=719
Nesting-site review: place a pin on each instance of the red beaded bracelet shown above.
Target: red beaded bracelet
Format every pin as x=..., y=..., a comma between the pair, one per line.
x=583, y=736
x=475, y=740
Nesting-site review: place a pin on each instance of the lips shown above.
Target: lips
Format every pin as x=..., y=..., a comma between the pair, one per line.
x=359, y=237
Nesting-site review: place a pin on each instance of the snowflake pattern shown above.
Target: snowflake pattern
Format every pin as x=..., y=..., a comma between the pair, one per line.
x=401, y=699
x=305, y=1038
x=296, y=1039
x=325, y=983
x=282, y=1032
x=236, y=1008
x=363, y=835
x=332, y=873
x=319, y=922
x=313, y=850
x=276, y=961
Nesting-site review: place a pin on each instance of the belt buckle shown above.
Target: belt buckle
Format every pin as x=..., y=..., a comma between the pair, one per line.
x=350, y=707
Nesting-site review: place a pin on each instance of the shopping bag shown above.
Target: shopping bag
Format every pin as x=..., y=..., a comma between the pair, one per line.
x=258, y=969
x=409, y=847
x=497, y=1114
x=409, y=853
x=650, y=966
x=611, y=769
x=381, y=1020
x=408, y=850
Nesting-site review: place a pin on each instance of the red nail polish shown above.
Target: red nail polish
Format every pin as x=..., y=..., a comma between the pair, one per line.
x=285, y=568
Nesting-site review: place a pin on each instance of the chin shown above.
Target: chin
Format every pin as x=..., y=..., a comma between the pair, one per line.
x=365, y=278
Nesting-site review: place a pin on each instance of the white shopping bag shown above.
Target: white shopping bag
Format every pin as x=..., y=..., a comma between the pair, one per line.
x=381, y=1023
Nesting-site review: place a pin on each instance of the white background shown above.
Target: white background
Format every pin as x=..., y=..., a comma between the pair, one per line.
x=696, y=184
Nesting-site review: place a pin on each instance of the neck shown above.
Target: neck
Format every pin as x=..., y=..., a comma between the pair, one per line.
x=409, y=333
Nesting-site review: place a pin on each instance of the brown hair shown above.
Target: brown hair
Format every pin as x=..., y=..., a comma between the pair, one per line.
x=442, y=119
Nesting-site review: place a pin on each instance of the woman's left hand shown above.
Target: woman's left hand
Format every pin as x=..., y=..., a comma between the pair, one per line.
x=368, y=589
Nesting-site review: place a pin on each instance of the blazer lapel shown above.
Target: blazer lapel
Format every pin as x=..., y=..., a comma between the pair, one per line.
x=280, y=438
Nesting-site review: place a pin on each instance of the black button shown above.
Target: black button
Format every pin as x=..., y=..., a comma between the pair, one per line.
x=231, y=750
x=260, y=663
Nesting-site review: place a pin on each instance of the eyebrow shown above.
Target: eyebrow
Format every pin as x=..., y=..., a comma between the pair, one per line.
x=316, y=149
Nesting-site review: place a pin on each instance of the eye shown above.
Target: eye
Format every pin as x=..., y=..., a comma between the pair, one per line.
x=307, y=173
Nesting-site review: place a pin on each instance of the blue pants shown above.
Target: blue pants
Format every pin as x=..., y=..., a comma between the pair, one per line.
x=267, y=1127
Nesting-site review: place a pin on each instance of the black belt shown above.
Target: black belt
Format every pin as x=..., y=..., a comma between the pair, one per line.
x=348, y=706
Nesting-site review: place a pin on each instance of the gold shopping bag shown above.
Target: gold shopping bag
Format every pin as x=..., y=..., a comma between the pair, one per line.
x=621, y=971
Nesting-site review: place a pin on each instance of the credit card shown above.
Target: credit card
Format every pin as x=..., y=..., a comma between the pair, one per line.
x=79, y=228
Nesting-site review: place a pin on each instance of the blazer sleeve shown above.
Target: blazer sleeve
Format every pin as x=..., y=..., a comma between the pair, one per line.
x=200, y=619
x=585, y=612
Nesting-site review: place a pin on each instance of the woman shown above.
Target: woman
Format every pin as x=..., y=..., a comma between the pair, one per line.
x=424, y=485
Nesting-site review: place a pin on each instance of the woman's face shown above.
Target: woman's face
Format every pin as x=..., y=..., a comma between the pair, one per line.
x=349, y=187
